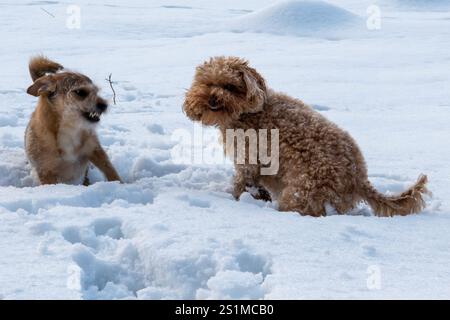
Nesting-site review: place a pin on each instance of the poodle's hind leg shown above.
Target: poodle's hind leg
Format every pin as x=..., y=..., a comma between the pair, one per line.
x=301, y=200
x=345, y=205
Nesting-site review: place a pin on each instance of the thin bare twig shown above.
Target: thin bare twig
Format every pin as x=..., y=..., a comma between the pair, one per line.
x=47, y=12
x=112, y=88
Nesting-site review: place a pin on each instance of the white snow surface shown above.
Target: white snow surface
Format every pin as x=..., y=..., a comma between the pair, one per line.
x=173, y=231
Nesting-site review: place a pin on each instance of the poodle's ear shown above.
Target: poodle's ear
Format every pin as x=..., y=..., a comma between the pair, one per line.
x=43, y=86
x=255, y=84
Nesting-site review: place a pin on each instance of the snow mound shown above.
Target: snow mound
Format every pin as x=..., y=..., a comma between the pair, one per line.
x=297, y=18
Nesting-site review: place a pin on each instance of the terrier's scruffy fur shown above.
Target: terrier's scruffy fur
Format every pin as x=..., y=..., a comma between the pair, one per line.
x=320, y=165
x=60, y=139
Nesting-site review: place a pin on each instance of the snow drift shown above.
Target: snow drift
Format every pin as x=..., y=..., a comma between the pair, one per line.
x=299, y=18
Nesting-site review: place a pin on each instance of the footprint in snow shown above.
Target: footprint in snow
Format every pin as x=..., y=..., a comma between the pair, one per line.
x=40, y=3
x=156, y=129
x=319, y=107
x=90, y=235
x=40, y=228
x=10, y=120
x=369, y=251
x=177, y=7
x=352, y=234
x=110, y=227
x=195, y=202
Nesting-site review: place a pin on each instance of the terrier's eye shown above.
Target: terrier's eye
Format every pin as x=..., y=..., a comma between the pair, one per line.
x=231, y=88
x=81, y=93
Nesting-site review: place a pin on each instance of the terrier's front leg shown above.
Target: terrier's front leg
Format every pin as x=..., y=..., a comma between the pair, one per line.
x=86, y=181
x=47, y=177
x=100, y=159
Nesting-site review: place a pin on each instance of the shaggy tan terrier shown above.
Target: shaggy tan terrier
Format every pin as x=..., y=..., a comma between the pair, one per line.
x=60, y=139
x=320, y=165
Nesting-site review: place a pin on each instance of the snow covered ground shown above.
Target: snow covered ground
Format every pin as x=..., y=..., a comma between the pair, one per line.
x=173, y=231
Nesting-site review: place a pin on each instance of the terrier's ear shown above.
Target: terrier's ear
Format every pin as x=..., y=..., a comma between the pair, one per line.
x=43, y=86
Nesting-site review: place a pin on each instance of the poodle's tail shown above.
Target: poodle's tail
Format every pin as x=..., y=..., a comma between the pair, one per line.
x=408, y=202
x=40, y=65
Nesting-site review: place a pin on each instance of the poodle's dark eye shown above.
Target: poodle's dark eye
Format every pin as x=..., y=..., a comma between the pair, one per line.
x=231, y=87
x=81, y=93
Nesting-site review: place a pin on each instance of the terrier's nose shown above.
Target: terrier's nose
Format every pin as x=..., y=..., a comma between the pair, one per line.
x=102, y=106
x=213, y=103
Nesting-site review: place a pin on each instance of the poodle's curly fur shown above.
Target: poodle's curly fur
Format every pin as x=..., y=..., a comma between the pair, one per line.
x=320, y=164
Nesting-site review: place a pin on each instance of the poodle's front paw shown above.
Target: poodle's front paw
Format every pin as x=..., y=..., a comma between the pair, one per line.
x=238, y=190
x=262, y=194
